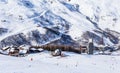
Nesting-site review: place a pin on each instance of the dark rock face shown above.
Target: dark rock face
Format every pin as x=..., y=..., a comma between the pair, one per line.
x=3, y=30
x=35, y=35
x=66, y=40
x=15, y=40
x=27, y=3
x=71, y=7
x=49, y=19
x=42, y=38
x=4, y=1
x=98, y=37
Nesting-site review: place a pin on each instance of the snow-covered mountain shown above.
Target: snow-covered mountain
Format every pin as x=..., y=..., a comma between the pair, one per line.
x=40, y=22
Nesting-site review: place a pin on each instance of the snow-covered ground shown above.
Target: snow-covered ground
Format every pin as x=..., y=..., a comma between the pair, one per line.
x=73, y=63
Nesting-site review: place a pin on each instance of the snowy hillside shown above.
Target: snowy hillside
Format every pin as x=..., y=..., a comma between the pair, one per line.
x=43, y=21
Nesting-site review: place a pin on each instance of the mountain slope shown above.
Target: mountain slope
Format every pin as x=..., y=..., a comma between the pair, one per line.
x=43, y=21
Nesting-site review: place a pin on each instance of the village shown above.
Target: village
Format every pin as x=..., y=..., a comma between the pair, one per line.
x=56, y=50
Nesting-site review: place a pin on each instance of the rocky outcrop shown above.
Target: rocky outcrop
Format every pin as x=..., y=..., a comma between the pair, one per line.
x=3, y=30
